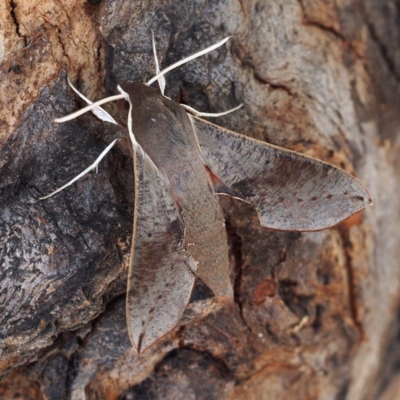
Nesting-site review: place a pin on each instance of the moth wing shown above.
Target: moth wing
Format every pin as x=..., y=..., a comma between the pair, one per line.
x=161, y=271
x=290, y=191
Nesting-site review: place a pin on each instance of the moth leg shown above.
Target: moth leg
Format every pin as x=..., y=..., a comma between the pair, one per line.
x=210, y=115
x=187, y=59
x=90, y=107
x=161, y=79
x=83, y=173
x=99, y=112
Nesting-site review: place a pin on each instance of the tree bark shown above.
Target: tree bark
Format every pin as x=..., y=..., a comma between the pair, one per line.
x=316, y=314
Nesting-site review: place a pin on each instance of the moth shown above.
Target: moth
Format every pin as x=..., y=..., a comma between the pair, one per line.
x=182, y=163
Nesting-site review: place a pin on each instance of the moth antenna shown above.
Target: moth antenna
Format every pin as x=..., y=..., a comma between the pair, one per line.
x=99, y=112
x=161, y=79
x=134, y=142
x=83, y=173
x=89, y=108
x=187, y=59
x=211, y=115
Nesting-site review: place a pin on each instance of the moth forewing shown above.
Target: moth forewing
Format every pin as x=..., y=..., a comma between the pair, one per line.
x=290, y=191
x=161, y=271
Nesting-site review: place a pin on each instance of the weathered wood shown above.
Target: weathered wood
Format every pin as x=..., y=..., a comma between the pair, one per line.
x=315, y=314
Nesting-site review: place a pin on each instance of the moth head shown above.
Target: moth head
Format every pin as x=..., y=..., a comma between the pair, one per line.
x=136, y=92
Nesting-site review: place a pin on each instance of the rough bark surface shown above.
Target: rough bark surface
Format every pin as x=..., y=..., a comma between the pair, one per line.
x=316, y=314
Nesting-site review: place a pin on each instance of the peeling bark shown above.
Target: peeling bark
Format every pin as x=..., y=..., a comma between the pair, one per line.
x=316, y=314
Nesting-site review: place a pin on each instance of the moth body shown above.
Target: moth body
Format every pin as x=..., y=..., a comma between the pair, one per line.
x=166, y=135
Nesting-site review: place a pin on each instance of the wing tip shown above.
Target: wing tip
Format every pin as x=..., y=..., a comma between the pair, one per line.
x=362, y=192
x=368, y=199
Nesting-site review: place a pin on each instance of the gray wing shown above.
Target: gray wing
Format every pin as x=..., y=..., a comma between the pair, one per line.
x=290, y=191
x=161, y=271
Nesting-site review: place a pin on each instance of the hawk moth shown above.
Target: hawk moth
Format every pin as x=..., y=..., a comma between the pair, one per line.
x=181, y=164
